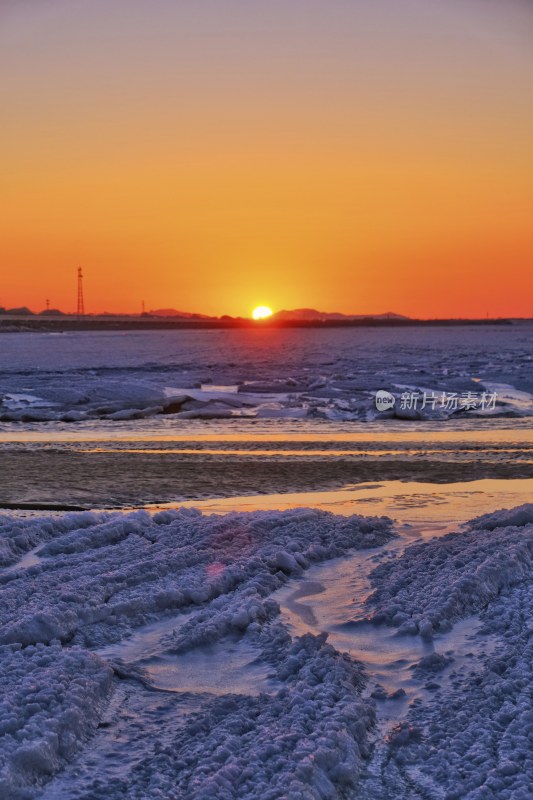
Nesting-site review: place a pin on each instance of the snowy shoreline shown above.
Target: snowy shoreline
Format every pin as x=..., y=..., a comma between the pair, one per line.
x=122, y=610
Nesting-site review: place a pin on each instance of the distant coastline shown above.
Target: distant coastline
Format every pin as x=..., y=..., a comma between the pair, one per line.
x=18, y=324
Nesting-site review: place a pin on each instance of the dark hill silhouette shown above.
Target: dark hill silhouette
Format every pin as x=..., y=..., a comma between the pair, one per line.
x=172, y=312
x=313, y=314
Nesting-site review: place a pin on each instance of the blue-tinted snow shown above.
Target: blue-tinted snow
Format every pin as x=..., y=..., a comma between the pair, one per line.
x=102, y=577
x=106, y=628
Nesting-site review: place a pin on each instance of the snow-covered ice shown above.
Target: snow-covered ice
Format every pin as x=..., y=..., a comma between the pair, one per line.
x=294, y=654
x=204, y=582
x=51, y=700
x=438, y=582
x=472, y=739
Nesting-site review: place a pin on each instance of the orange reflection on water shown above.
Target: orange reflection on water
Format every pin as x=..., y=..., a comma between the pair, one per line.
x=370, y=434
x=409, y=502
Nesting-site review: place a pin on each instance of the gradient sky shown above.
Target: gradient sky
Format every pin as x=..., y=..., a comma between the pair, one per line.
x=212, y=155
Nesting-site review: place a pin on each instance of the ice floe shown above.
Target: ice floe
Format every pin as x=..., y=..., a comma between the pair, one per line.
x=318, y=375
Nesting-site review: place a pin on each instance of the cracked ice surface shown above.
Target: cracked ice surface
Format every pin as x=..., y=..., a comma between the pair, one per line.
x=101, y=577
x=322, y=375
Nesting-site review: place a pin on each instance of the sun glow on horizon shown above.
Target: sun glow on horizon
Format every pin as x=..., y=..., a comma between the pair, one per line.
x=262, y=312
x=304, y=153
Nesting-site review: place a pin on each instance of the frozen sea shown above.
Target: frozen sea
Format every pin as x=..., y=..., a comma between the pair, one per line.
x=311, y=375
x=275, y=590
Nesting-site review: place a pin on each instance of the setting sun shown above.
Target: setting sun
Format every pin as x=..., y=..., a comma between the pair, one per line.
x=261, y=312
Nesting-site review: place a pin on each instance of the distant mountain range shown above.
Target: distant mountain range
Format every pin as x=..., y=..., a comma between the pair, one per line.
x=295, y=314
x=301, y=314
x=313, y=314
x=172, y=312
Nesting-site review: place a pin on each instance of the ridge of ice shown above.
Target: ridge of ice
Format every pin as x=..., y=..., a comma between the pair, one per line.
x=471, y=739
x=518, y=516
x=100, y=576
x=441, y=581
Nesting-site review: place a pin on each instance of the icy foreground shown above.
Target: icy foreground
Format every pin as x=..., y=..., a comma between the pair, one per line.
x=97, y=577
x=106, y=620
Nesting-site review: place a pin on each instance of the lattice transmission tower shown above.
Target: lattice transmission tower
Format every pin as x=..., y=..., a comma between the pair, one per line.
x=81, y=306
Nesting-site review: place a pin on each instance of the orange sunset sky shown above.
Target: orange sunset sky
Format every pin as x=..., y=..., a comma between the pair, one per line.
x=211, y=155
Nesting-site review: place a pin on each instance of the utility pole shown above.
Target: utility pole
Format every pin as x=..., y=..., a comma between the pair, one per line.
x=81, y=306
